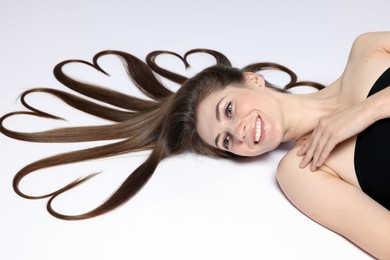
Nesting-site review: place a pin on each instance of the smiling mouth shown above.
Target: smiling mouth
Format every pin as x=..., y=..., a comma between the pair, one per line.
x=258, y=130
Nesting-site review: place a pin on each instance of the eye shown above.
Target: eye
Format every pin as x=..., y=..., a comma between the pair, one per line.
x=229, y=110
x=226, y=141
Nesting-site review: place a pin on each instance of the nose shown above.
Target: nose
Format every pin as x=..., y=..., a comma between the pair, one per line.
x=238, y=130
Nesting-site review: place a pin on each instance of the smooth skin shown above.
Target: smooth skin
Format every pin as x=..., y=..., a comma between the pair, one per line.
x=318, y=174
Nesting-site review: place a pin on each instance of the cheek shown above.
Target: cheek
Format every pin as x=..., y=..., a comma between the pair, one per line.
x=247, y=104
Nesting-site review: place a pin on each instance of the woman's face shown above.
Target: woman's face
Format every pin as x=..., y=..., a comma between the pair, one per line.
x=246, y=121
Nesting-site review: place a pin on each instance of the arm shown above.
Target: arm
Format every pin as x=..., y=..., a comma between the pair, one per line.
x=368, y=51
x=378, y=105
x=331, y=130
x=336, y=205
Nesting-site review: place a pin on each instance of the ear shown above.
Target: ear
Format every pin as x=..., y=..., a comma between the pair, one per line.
x=254, y=80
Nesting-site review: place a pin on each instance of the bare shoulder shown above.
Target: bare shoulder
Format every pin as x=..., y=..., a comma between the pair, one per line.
x=295, y=181
x=336, y=204
x=370, y=52
x=290, y=162
x=289, y=157
x=292, y=178
x=371, y=42
x=368, y=59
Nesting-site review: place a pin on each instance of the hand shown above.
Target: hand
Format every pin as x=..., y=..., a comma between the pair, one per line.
x=331, y=130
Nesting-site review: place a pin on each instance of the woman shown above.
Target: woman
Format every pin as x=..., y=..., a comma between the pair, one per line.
x=228, y=112
x=323, y=183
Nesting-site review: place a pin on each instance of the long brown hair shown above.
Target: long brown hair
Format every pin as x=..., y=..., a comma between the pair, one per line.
x=165, y=123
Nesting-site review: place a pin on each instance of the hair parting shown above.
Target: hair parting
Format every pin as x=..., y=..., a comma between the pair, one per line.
x=165, y=123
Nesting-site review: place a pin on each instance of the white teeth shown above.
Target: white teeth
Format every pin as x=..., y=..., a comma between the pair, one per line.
x=258, y=131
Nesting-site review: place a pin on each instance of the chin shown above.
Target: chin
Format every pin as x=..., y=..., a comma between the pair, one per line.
x=253, y=153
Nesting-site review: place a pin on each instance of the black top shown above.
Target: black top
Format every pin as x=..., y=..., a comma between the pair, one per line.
x=372, y=153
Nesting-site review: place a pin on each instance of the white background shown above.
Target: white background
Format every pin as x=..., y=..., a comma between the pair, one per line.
x=194, y=207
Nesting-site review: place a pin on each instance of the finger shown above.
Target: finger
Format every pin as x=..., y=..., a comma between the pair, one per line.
x=310, y=151
x=319, y=151
x=306, y=159
x=325, y=154
x=308, y=156
x=303, y=163
x=303, y=149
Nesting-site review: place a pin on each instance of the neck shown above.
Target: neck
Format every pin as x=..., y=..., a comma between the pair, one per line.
x=302, y=111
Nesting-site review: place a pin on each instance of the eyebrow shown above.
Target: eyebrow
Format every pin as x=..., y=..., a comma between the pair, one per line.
x=217, y=141
x=218, y=117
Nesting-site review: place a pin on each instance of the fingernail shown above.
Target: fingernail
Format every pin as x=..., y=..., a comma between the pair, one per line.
x=302, y=165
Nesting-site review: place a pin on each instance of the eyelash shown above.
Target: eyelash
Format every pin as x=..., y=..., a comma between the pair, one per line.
x=226, y=141
x=228, y=112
